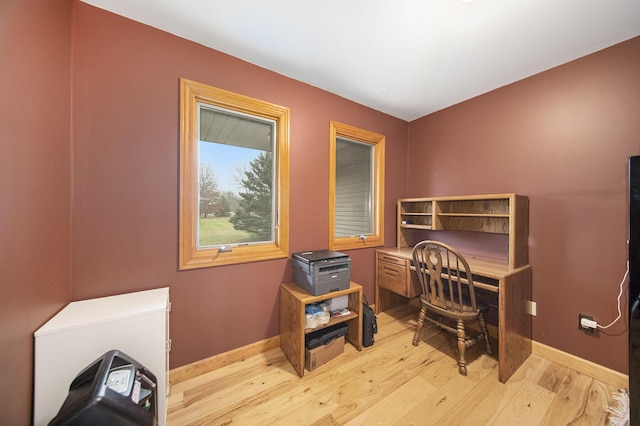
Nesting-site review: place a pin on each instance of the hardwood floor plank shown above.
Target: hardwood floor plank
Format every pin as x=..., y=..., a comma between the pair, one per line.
x=438, y=404
x=590, y=409
x=552, y=376
x=232, y=387
x=240, y=381
x=326, y=421
x=394, y=363
x=568, y=406
x=305, y=401
x=598, y=399
x=491, y=397
x=391, y=382
x=528, y=406
x=401, y=400
x=244, y=367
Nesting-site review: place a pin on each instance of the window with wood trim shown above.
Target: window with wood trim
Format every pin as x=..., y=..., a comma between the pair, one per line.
x=356, y=188
x=234, y=178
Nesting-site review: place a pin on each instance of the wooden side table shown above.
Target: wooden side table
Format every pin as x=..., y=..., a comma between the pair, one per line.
x=293, y=300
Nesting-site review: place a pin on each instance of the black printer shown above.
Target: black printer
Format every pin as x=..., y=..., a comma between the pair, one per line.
x=322, y=271
x=325, y=336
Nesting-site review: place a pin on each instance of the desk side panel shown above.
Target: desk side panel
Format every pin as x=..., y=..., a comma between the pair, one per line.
x=519, y=235
x=514, y=323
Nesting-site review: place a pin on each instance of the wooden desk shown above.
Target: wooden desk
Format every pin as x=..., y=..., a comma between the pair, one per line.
x=293, y=299
x=396, y=282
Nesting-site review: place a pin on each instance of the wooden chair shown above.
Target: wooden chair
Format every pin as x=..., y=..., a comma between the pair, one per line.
x=448, y=292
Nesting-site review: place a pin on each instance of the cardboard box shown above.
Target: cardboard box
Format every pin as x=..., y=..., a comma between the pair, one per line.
x=314, y=358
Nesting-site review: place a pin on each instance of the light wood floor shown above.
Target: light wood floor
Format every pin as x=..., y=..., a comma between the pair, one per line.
x=391, y=383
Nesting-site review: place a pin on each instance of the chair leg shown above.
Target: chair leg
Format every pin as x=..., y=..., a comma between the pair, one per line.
x=421, y=320
x=483, y=326
x=462, y=347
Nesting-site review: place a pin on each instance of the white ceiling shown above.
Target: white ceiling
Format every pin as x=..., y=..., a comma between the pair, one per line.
x=406, y=58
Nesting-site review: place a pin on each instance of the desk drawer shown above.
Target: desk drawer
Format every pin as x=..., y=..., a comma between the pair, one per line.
x=392, y=277
x=382, y=257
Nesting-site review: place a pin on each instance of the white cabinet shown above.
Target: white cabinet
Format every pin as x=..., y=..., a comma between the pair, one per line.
x=134, y=323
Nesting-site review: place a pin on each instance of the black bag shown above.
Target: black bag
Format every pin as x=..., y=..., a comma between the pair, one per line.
x=369, y=324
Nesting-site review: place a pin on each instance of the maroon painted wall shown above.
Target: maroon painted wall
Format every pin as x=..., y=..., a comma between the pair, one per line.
x=125, y=199
x=35, y=176
x=563, y=138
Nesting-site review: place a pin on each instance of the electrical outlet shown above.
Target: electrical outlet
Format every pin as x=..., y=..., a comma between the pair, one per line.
x=580, y=325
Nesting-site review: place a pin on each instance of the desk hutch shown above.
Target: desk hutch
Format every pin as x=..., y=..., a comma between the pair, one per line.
x=506, y=279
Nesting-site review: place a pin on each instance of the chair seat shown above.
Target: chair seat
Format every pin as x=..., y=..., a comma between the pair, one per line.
x=467, y=311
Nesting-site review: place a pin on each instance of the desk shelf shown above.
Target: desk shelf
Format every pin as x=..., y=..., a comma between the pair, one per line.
x=473, y=215
x=506, y=214
x=414, y=226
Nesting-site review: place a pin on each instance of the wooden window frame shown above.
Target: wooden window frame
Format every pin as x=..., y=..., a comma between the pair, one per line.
x=376, y=140
x=190, y=256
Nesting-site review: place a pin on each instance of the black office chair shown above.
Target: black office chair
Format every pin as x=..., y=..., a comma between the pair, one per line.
x=448, y=292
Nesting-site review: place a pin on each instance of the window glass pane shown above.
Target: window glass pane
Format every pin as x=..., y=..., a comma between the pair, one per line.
x=236, y=178
x=354, y=188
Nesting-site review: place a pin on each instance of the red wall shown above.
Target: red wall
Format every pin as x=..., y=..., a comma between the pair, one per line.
x=125, y=150
x=563, y=138
x=35, y=176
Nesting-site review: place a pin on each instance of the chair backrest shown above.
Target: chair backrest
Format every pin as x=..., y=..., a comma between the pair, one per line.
x=444, y=275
